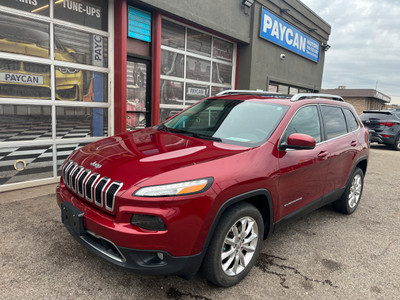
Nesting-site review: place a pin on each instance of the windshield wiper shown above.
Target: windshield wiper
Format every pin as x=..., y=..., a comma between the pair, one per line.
x=188, y=133
x=206, y=137
x=163, y=127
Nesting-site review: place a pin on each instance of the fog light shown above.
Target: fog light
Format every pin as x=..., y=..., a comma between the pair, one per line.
x=148, y=222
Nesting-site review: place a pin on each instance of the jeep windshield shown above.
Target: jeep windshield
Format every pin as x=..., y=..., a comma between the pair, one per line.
x=246, y=123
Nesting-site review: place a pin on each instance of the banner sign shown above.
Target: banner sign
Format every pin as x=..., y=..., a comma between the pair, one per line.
x=279, y=32
x=139, y=24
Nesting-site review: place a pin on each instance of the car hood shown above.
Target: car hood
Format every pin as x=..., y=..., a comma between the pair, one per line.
x=139, y=155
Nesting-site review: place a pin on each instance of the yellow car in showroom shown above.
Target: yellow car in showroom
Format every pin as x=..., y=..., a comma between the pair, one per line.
x=22, y=79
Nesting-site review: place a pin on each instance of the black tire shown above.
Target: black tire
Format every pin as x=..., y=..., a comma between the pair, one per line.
x=237, y=217
x=350, y=199
x=396, y=145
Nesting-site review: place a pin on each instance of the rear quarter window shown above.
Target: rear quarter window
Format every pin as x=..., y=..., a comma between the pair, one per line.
x=334, y=121
x=351, y=119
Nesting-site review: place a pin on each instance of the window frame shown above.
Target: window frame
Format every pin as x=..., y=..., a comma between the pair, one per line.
x=321, y=125
x=52, y=102
x=186, y=53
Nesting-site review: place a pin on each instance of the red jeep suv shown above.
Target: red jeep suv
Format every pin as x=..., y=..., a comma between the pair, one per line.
x=204, y=188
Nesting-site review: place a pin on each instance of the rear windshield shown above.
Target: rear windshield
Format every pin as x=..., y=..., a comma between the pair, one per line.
x=248, y=123
x=376, y=115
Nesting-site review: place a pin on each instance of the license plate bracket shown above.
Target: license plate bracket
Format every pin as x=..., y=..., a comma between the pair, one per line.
x=72, y=218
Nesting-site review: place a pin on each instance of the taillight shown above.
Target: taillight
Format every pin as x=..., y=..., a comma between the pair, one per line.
x=388, y=124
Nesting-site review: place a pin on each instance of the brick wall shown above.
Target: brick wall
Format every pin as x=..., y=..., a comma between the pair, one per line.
x=361, y=104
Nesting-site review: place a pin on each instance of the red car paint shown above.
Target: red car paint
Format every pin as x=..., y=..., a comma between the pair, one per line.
x=151, y=157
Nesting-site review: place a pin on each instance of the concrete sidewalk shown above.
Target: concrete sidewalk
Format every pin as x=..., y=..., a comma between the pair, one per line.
x=28, y=193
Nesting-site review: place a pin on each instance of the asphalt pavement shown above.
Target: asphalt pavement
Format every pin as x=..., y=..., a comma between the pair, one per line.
x=324, y=255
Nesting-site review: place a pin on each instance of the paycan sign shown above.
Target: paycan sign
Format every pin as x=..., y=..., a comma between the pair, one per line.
x=279, y=32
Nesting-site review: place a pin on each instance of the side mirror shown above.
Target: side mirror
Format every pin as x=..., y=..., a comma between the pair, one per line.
x=298, y=141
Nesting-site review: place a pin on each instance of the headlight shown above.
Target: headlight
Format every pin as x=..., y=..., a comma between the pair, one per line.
x=66, y=70
x=175, y=189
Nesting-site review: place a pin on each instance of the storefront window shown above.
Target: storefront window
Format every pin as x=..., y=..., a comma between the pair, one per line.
x=21, y=79
x=172, y=35
x=197, y=69
x=23, y=36
x=136, y=95
x=192, y=69
x=171, y=92
x=172, y=64
x=273, y=88
x=80, y=47
x=19, y=164
x=81, y=122
x=78, y=85
x=198, y=42
x=222, y=50
x=293, y=90
x=196, y=92
x=40, y=7
x=91, y=13
x=222, y=73
x=283, y=89
x=24, y=122
x=54, y=88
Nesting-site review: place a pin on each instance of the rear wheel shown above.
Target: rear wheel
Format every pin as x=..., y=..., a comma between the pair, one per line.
x=350, y=199
x=396, y=145
x=235, y=245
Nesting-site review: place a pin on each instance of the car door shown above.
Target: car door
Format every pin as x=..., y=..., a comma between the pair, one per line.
x=302, y=174
x=342, y=146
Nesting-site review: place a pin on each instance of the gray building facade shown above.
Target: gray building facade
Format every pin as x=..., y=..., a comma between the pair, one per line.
x=261, y=64
x=75, y=71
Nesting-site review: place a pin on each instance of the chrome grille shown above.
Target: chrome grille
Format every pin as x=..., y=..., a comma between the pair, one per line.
x=74, y=175
x=81, y=178
x=110, y=194
x=99, y=189
x=91, y=186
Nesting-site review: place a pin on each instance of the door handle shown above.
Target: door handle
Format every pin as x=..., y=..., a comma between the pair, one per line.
x=322, y=154
x=353, y=143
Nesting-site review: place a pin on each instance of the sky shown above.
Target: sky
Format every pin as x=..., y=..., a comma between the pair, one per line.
x=365, y=44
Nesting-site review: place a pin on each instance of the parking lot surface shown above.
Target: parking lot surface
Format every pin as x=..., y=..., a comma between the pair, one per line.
x=324, y=255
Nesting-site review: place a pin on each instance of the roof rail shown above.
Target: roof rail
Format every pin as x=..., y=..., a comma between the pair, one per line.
x=311, y=95
x=247, y=92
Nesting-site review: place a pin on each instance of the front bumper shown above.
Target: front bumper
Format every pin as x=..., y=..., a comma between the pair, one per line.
x=147, y=262
x=117, y=241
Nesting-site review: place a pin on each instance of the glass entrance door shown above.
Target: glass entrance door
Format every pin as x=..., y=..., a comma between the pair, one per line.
x=138, y=101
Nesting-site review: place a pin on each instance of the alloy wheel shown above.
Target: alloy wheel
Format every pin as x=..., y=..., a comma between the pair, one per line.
x=355, y=191
x=239, y=246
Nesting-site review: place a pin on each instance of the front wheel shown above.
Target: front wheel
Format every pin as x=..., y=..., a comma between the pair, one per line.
x=235, y=245
x=350, y=199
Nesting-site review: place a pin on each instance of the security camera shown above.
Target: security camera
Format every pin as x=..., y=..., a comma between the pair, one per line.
x=283, y=56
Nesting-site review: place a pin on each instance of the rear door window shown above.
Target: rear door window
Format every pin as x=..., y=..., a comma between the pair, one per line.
x=334, y=121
